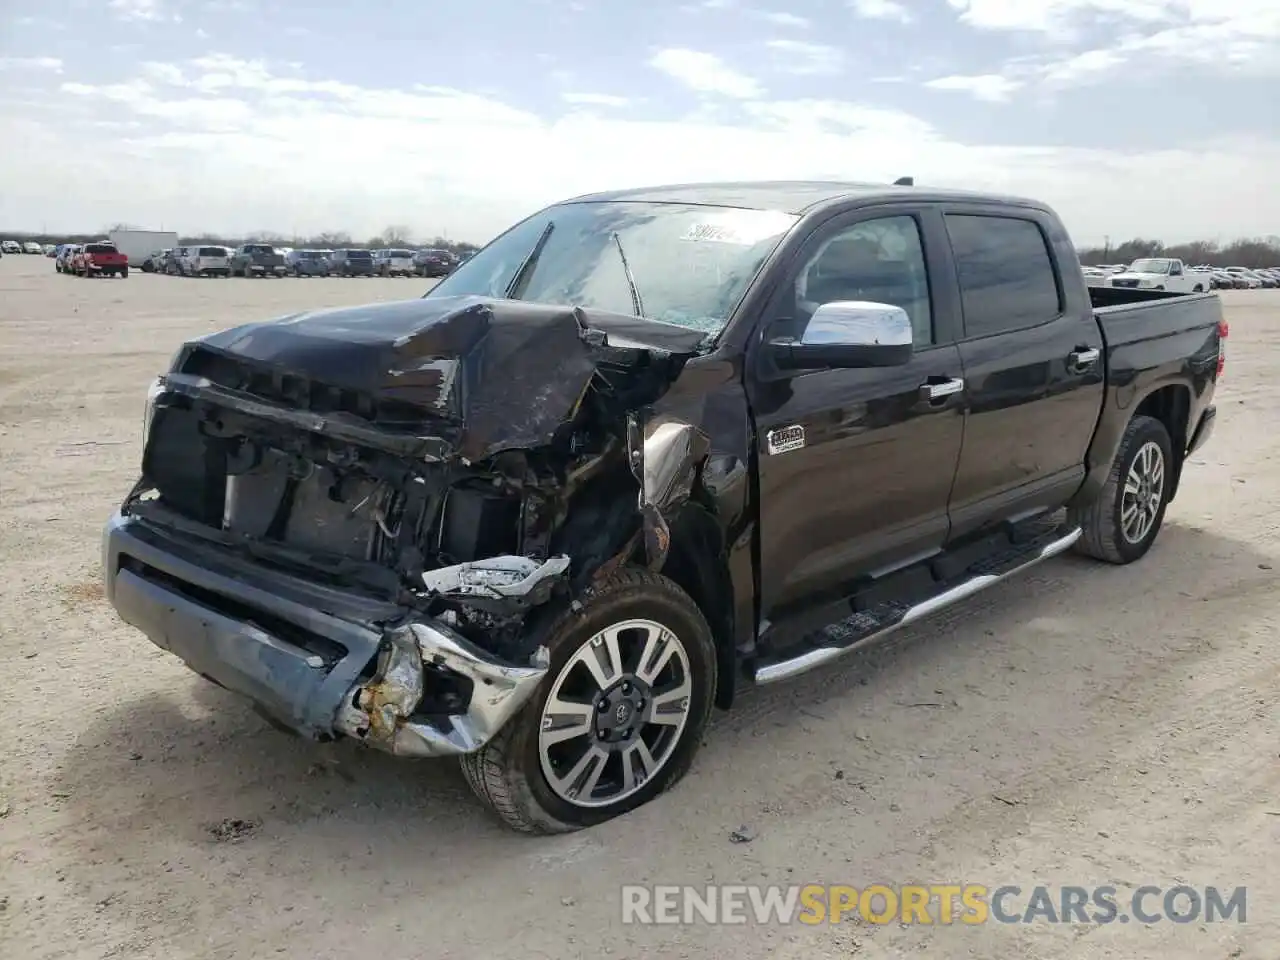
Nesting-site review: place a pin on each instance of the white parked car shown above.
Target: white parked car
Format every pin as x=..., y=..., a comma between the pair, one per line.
x=393, y=263
x=32, y=247
x=1161, y=273
x=11, y=246
x=207, y=262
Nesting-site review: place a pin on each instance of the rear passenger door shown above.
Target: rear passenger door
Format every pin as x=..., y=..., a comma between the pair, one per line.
x=1032, y=357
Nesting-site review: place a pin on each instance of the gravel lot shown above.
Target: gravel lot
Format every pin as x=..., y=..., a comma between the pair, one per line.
x=1081, y=725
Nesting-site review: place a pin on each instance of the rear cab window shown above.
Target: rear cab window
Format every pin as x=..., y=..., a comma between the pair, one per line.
x=1006, y=272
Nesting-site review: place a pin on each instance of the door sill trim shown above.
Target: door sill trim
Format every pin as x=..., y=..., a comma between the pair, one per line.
x=816, y=657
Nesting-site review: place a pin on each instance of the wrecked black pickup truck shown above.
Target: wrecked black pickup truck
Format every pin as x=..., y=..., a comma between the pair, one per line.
x=642, y=449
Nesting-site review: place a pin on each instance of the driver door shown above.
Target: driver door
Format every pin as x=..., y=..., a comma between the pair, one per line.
x=855, y=465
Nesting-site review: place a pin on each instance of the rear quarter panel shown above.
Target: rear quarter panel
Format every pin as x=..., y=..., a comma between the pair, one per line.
x=1150, y=345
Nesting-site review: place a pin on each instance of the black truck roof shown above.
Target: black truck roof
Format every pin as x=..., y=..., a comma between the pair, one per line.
x=790, y=196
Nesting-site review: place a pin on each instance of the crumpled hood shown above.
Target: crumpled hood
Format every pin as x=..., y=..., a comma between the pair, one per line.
x=499, y=374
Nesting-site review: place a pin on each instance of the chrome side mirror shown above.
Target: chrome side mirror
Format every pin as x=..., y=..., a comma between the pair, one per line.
x=849, y=334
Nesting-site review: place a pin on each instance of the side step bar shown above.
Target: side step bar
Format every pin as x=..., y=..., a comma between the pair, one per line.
x=817, y=656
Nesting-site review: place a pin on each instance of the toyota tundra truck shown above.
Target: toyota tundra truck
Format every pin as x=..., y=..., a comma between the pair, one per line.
x=645, y=448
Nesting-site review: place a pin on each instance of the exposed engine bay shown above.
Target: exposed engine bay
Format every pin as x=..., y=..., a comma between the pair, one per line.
x=464, y=458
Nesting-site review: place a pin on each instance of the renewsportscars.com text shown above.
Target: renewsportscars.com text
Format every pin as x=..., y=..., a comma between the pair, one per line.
x=930, y=904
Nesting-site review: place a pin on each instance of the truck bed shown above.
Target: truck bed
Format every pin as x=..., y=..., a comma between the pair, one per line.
x=1139, y=316
x=1167, y=347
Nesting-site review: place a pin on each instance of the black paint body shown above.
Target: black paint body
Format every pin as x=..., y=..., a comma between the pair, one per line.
x=768, y=544
x=885, y=480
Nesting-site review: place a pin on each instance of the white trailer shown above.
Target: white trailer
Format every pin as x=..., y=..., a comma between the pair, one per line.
x=137, y=245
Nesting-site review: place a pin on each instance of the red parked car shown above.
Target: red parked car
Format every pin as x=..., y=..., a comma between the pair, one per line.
x=100, y=259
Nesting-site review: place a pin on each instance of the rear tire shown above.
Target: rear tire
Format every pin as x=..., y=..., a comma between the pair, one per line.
x=1122, y=523
x=124, y=273
x=651, y=616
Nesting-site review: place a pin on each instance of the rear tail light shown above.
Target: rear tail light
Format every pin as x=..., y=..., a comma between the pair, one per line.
x=1223, y=330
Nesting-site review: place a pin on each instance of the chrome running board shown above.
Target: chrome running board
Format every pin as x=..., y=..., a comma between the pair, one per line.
x=882, y=625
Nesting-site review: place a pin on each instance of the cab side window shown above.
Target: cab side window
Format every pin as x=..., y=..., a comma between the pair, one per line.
x=1006, y=273
x=881, y=261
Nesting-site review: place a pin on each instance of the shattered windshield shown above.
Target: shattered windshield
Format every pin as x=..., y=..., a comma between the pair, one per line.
x=691, y=263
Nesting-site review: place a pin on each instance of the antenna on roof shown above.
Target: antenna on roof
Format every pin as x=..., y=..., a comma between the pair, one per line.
x=905, y=182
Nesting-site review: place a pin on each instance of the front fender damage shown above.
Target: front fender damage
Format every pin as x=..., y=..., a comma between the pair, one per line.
x=385, y=713
x=665, y=456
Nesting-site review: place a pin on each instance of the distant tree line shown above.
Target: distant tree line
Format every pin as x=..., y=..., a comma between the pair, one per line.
x=393, y=236
x=1259, y=252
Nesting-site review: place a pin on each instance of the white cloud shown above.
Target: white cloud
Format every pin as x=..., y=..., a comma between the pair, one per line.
x=991, y=87
x=807, y=59
x=705, y=73
x=1148, y=36
x=1083, y=67
x=1228, y=33
x=781, y=19
x=143, y=10
x=882, y=10
x=278, y=148
x=31, y=63
x=595, y=99
x=44, y=23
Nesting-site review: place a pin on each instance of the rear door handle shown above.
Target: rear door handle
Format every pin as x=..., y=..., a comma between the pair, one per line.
x=1083, y=358
x=935, y=391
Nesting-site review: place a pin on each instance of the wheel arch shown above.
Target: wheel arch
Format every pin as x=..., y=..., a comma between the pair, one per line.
x=1171, y=405
x=696, y=562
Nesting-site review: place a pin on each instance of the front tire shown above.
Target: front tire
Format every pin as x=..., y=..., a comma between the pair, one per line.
x=1123, y=521
x=618, y=719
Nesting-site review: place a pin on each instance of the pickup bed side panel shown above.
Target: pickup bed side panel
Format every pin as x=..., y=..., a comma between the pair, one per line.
x=1150, y=345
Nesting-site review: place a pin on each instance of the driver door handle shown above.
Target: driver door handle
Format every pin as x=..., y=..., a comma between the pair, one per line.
x=1082, y=358
x=934, y=391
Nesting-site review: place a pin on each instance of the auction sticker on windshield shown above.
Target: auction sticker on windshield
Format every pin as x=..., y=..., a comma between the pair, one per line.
x=742, y=228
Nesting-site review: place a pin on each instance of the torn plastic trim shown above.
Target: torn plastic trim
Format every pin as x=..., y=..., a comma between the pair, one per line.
x=497, y=578
x=664, y=457
x=379, y=713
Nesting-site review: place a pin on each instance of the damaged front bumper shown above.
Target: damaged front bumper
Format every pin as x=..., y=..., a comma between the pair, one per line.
x=380, y=712
x=302, y=651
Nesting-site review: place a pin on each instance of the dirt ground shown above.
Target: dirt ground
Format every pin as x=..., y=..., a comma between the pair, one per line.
x=1081, y=725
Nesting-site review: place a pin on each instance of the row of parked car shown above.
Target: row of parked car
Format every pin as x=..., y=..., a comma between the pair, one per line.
x=266, y=260
x=1169, y=273
x=102, y=258
x=13, y=246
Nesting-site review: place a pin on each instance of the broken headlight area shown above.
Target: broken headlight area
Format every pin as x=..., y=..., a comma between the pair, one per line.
x=469, y=545
x=468, y=465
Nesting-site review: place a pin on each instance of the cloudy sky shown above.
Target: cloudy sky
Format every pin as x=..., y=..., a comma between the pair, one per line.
x=1152, y=117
